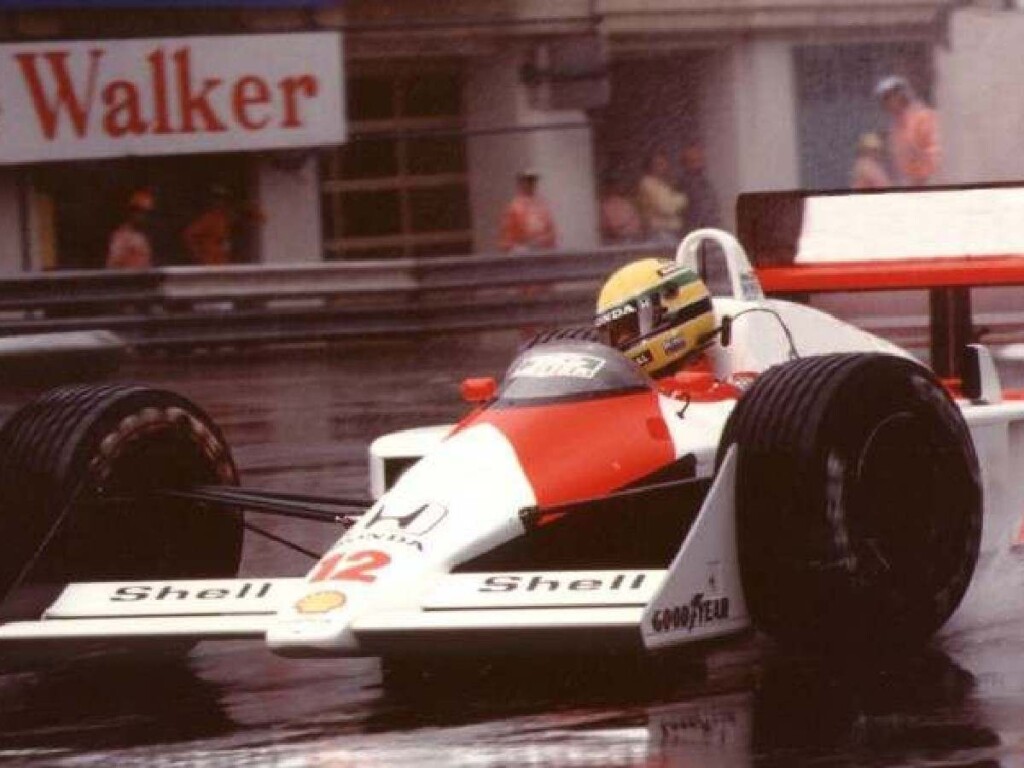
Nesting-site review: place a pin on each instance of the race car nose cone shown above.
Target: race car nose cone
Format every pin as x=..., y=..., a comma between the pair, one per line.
x=312, y=635
x=315, y=624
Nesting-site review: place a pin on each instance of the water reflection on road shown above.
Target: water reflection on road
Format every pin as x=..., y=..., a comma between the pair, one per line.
x=300, y=421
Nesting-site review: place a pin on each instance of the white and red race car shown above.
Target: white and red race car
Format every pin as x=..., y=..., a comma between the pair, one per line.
x=816, y=483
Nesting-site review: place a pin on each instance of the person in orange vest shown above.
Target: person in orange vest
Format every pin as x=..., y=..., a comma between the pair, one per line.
x=913, y=132
x=208, y=236
x=527, y=224
x=129, y=246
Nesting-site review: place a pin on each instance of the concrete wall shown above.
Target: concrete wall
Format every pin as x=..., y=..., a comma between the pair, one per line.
x=748, y=120
x=496, y=100
x=288, y=191
x=768, y=155
x=719, y=127
x=10, y=222
x=979, y=96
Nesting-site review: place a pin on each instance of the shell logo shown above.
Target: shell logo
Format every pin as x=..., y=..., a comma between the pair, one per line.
x=321, y=602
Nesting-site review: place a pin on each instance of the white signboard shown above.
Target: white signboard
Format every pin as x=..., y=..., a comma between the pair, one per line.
x=162, y=96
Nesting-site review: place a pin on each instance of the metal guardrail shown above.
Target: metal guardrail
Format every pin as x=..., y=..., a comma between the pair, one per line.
x=188, y=307
x=192, y=307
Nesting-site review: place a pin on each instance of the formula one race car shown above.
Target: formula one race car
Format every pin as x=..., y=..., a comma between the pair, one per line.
x=815, y=482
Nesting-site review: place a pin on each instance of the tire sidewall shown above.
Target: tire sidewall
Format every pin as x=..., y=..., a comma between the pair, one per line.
x=801, y=509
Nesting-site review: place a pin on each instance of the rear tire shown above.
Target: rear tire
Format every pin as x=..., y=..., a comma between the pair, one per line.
x=72, y=448
x=858, y=502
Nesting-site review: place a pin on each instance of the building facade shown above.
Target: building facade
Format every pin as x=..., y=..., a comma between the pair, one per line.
x=187, y=108
x=443, y=106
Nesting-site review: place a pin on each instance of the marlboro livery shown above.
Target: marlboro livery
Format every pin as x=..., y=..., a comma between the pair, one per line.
x=810, y=480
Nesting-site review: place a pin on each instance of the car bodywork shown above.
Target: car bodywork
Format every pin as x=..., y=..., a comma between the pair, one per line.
x=584, y=506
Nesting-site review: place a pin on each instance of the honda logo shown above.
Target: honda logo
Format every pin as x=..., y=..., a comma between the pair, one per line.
x=417, y=522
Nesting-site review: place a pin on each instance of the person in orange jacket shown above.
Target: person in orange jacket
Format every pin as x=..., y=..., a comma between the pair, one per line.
x=527, y=224
x=913, y=132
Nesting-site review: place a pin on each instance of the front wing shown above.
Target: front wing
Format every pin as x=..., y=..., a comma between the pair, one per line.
x=698, y=597
x=482, y=604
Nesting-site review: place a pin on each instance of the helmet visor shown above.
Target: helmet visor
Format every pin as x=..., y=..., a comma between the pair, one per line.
x=619, y=326
x=626, y=324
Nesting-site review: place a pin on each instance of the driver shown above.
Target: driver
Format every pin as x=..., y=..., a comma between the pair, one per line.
x=658, y=313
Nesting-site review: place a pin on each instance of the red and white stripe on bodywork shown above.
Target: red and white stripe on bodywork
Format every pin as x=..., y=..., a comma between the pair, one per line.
x=584, y=449
x=494, y=465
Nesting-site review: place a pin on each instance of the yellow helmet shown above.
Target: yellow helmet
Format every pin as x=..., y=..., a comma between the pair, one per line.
x=656, y=312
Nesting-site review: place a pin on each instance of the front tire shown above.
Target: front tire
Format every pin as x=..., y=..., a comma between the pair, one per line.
x=858, y=502
x=67, y=458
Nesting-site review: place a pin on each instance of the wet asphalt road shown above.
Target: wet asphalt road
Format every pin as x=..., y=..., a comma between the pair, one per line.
x=300, y=421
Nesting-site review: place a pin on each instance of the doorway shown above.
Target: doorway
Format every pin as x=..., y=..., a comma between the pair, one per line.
x=88, y=201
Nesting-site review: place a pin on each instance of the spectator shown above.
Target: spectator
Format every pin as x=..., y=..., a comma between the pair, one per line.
x=620, y=220
x=913, y=132
x=702, y=210
x=129, y=246
x=869, y=168
x=660, y=204
x=208, y=236
x=527, y=224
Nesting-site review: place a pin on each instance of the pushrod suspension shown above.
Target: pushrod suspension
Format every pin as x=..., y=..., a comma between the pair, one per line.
x=320, y=509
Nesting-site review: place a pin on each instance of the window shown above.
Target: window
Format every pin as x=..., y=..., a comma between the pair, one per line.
x=399, y=187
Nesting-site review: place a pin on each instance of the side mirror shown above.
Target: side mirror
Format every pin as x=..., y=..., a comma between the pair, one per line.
x=478, y=390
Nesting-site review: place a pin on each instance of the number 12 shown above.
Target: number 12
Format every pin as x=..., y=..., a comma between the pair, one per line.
x=351, y=566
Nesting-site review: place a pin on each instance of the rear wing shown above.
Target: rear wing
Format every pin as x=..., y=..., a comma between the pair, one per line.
x=953, y=225
x=942, y=239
